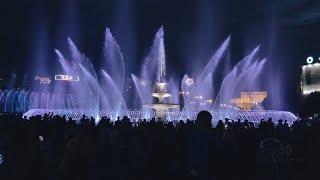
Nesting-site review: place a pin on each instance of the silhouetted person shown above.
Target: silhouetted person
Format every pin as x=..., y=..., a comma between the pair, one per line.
x=200, y=146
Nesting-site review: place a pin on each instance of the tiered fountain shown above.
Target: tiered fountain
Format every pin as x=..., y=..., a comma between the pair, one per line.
x=161, y=94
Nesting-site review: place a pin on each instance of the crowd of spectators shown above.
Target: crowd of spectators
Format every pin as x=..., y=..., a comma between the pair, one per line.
x=54, y=147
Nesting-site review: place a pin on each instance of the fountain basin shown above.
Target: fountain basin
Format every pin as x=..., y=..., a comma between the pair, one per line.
x=252, y=116
x=162, y=109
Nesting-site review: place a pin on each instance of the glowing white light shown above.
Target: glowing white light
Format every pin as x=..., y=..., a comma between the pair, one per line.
x=65, y=77
x=142, y=83
x=97, y=119
x=43, y=80
x=306, y=92
x=310, y=60
x=162, y=85
x=189, y=81
x=209, y=101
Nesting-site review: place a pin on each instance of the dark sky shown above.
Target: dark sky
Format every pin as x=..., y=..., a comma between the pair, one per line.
x=194, y=28
x=288, y=31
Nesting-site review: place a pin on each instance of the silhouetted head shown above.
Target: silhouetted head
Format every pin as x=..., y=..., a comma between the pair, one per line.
x=204, y=119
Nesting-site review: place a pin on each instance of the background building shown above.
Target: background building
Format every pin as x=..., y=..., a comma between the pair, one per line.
x=310, y=78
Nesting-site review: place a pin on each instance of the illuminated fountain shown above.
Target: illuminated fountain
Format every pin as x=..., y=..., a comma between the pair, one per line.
x=100, y=93
x=160, y=92
x=154, y=74
x=160, y=106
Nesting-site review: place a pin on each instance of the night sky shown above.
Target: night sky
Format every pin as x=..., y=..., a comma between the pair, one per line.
x=287, y=30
